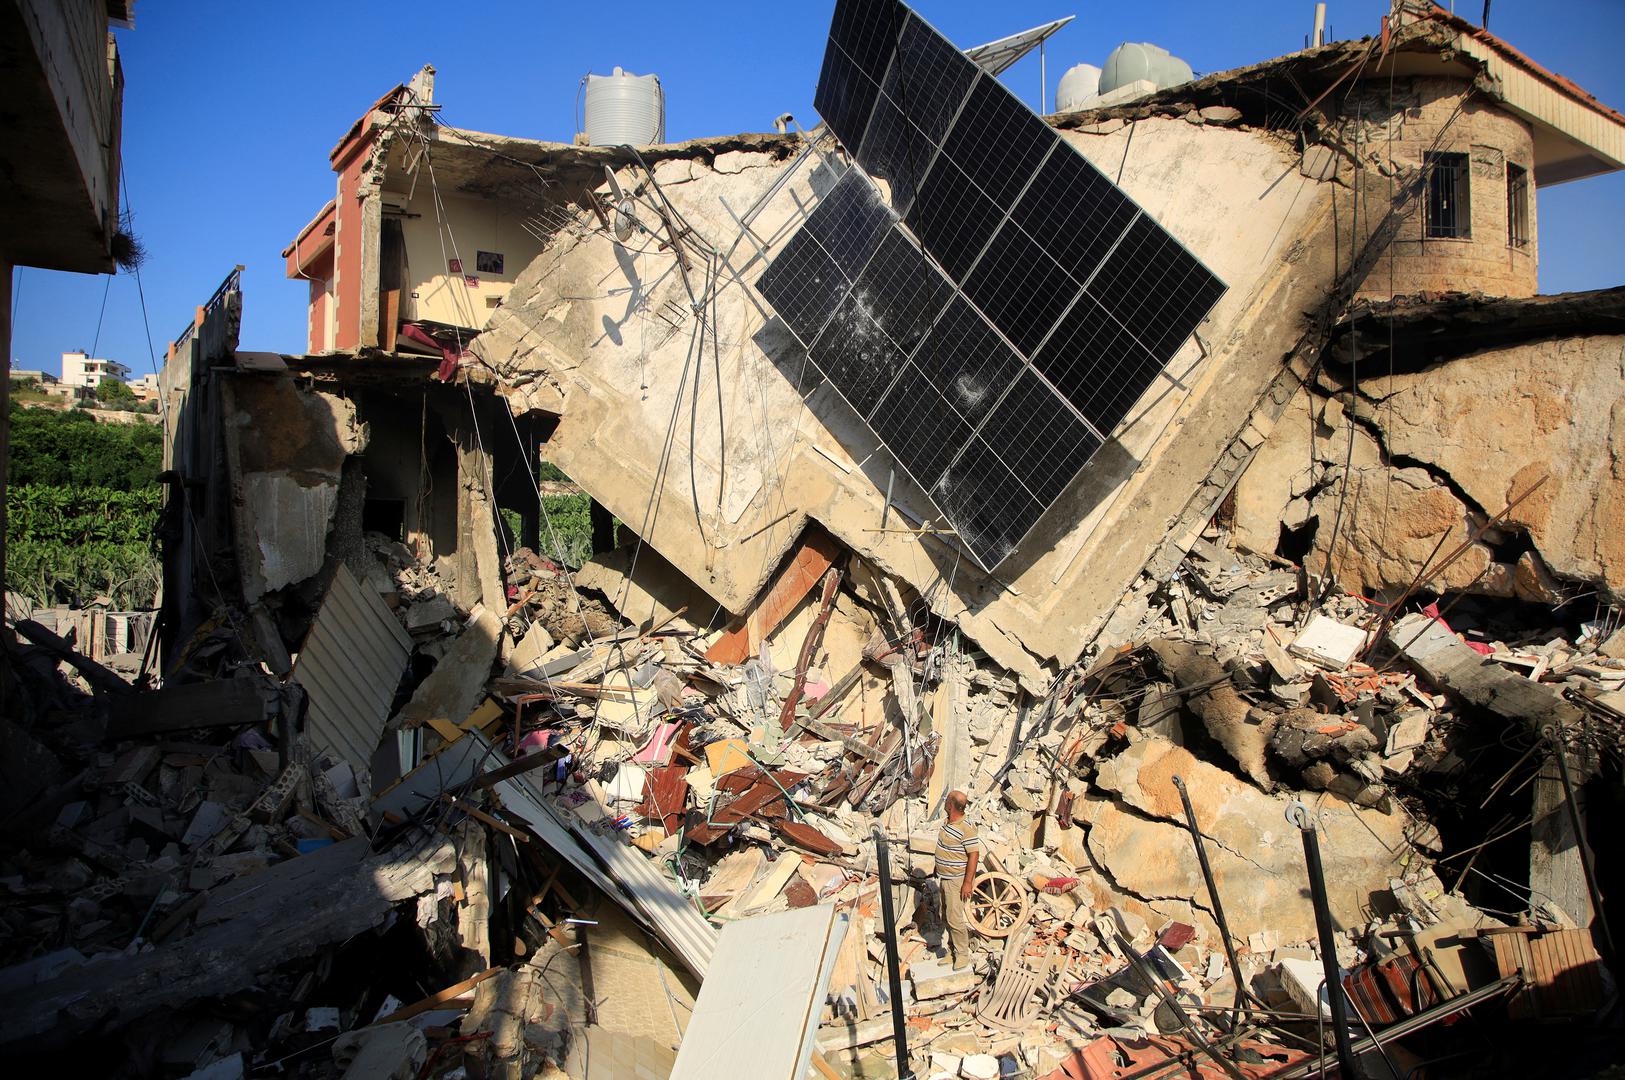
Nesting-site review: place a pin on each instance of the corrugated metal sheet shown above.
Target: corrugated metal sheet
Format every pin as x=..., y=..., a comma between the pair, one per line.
x=350, y=665
x=628, y=876
x=674, y=918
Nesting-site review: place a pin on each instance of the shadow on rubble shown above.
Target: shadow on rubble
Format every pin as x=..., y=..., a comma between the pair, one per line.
x=1111, y=466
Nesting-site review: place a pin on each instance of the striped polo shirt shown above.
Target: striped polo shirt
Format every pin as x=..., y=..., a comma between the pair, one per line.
x=954, y=844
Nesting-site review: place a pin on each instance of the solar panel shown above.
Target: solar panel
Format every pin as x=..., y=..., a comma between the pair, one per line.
x=995, y=56
x=1001, y=310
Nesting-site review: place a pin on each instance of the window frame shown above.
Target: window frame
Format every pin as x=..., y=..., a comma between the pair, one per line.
x=1519, y=235
x=1447, y=204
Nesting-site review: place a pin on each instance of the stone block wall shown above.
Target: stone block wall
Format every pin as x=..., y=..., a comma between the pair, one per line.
x=1444, y=115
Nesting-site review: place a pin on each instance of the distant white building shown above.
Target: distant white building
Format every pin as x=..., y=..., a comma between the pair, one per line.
x=146, y=387
x=86, y=371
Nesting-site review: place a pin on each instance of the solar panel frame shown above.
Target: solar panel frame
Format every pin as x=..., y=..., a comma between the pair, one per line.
x=851, y=221
x=986, y=503
x=992, y=116
x=916, y=423
x=902, y=290
x=952, y=218
x=845, y=96
x=1038, y=437
x=928, y=78
x=1096, y=364
x=866, y=30
x=1076, y=232
x=973, y=364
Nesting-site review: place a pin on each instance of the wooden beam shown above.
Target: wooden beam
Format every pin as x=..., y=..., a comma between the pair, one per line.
x=809, y=645
x=220, y=703
x=814, y=555
x=481, y=816
x=450, y=993
x=829, y=734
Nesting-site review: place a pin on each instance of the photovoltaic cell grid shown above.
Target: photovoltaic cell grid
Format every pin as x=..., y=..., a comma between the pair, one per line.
x=994, y=369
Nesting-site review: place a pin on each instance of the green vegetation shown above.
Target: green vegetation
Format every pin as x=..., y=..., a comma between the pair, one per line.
x=115, y=394
x=82, y=503
x=571, y=518
x=27, y=391
x=68, y=447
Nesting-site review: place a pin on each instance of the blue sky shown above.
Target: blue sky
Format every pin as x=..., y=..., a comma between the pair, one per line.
x=230, y=110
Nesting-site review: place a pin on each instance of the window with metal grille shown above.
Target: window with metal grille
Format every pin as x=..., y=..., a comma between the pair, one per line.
x=1517, y=205
x=1449, y=213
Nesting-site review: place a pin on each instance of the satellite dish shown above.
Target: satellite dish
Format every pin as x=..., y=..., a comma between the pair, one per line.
x=626, y=222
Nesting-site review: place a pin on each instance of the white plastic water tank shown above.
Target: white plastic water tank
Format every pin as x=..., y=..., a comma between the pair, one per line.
x=1077, y=87
x=622, y=108
x=1134, y=61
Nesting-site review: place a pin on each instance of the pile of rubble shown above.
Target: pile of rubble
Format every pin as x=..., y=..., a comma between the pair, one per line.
x=204, y=878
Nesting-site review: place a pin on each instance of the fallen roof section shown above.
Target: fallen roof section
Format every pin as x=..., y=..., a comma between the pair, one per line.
x=1416, y=331
x=1576, y=136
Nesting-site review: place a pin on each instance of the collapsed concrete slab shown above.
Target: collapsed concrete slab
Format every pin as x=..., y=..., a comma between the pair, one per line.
x=286, y=449
x=591, y=317
x=1139, y=837
x=246, y=928
x=1397, y=445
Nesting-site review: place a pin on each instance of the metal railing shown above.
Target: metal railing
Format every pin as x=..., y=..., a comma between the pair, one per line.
x=232, y=282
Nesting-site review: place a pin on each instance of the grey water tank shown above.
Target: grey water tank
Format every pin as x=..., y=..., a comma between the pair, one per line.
x=622, y=108
x=1079, y=86
x=1136, y=61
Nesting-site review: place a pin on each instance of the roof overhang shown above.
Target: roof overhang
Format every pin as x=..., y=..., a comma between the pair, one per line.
x=1576, y=135
x=313, y=241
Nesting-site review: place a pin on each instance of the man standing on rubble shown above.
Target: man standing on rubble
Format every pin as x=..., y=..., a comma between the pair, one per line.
x=957, y=849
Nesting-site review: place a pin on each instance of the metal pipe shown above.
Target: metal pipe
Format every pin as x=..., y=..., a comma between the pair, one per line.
x=1298, y=814
x=894, y=975
x=1413, y=1023
x=1043, y=78
x=1213, y=898
x=1561, y=753
x=1152, y=979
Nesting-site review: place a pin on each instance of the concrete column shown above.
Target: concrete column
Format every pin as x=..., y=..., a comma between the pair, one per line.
x=372, y=217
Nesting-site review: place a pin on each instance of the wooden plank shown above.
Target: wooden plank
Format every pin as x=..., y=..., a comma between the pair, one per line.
x=829, y=734
x=1556, y=870
x=450, y=993
x=815, y=635
x=814, y=555
x=1563, y=971
x=481, y=816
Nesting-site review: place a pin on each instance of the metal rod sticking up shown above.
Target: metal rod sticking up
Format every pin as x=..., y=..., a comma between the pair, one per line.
x=1149, y=976
x=894, y=975
x=1213, y=898
x=1298, y=814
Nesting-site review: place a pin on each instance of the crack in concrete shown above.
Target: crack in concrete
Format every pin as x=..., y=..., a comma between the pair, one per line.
x=1134, y=811
x=1352, y=414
